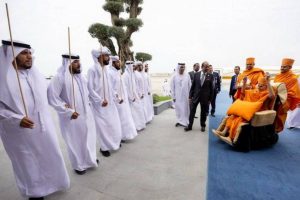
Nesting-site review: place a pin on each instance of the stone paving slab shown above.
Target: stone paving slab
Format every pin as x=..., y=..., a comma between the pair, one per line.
x=162, y=163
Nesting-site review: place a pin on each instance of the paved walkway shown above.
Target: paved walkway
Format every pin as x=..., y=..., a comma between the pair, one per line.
x=162, y=163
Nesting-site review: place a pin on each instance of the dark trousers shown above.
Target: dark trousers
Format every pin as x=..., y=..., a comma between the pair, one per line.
x=233, y=92
x=213, y=103
x=203, y=115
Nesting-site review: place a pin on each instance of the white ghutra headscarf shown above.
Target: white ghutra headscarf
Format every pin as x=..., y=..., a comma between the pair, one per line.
x=102, y=71
x=64, y=74
x=9, y=88
x=132, y=91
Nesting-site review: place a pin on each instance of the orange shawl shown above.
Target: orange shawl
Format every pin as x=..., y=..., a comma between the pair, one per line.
x=293, y=97
x=291, y=83
x=253, y=75
x=253, y=95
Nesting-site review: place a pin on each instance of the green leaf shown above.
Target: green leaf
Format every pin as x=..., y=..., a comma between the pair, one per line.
x=99, y=31
x=117, y=32
x=131, y=1
x=114, y=7
x=134, y=24
x=141, y=56
x=120, y=22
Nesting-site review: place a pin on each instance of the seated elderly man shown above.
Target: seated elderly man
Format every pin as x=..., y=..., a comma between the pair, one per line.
x=259, y=99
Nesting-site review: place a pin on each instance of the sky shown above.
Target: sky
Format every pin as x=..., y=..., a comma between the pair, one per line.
x=222, y=32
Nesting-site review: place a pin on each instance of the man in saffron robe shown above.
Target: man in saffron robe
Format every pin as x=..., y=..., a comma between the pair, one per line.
x=293, y=117
x=293, y=97
x=252, y=73
x=264, y=93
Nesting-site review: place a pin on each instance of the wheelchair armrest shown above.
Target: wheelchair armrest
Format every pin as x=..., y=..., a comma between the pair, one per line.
x=263, y=118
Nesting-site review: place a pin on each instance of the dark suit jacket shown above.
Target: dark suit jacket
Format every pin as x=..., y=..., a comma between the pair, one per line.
x=192, y=73
x=204, y=93
x=232, y=90
x=217, y=82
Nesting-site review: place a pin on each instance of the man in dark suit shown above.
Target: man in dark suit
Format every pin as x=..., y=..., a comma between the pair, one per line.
x=201, y=92
x=196, y=68
x=217, y=89
x=233, y=88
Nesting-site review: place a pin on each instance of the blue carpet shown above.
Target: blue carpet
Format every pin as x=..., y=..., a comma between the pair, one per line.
x=272, y=173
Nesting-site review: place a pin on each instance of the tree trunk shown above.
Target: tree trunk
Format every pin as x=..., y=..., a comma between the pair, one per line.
x=134, y=8
x=114, y=18
x=109, y=44
x=125, y=53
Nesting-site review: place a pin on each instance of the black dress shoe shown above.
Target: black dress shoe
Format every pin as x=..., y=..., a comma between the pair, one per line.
x=80, y=172
x=97, y=160
x=105, y=153
x=291, y=128
x=202, y=129
x=36, y=198
x=196, y=117
x=213, y=115
x=123, y=141
x=187, y=128
x=120, y=145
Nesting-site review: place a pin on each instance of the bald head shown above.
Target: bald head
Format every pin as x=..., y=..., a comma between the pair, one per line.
x=205, y=66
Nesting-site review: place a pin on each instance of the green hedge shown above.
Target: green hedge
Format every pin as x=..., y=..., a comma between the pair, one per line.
x=157, y=98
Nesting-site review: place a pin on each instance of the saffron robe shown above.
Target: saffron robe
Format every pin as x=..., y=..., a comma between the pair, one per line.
x=293, y=97
x=252, y=75
x=252, y=95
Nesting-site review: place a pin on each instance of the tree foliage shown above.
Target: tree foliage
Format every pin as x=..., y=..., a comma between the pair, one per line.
x=143, y=56
x=121, y=29
x=114, y=7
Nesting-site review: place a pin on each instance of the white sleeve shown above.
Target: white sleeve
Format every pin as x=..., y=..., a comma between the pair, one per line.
x=172, y=85
x=54, y=90
x=94, y=97
x=9, y=116
x=113, y=84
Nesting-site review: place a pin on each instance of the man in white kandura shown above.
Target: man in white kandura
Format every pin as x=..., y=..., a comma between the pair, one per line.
x=166, y=88
x=121, y=99
x=138, y=70
x=106, y=115
x=180, y=88
x=77, y=127
x=133, y=97
x=30, y=141
x=148, y=95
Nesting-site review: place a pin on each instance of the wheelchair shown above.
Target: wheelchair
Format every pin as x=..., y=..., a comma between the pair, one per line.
x=259, y=132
